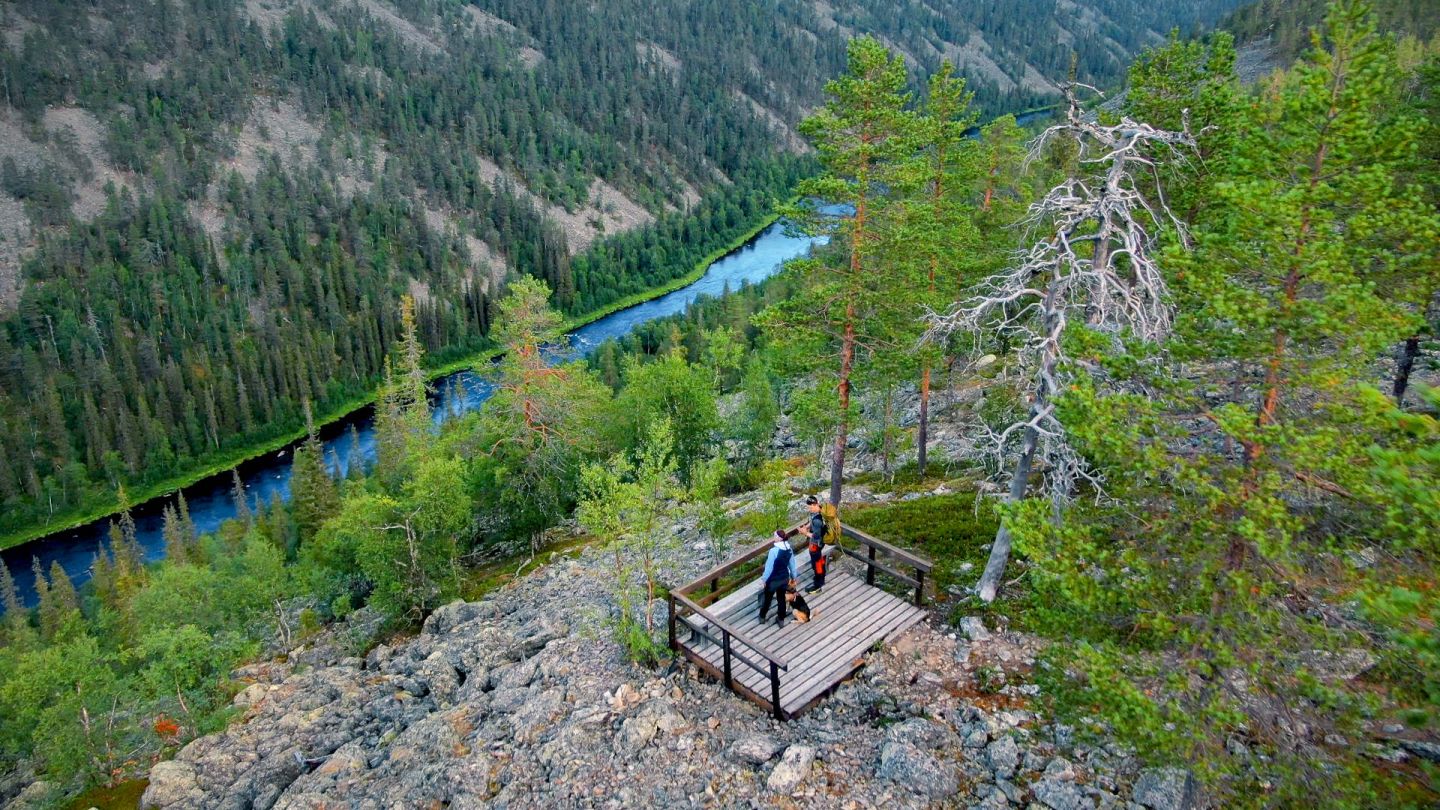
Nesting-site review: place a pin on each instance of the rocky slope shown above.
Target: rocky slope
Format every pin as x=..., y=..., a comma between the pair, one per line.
x=523, y=700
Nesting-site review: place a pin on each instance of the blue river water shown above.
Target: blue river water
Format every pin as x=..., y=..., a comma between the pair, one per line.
x=268, y=477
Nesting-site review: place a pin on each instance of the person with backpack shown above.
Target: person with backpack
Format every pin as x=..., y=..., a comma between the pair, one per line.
x=819, y=556
x=779, y=576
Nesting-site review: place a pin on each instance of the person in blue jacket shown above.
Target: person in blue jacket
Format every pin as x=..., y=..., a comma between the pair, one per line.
x=779, y=576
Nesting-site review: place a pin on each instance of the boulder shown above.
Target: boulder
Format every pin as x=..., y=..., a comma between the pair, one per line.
x=252, y=694
x=1058, y=795
x=655, y=716
x=450, y=616
x=1003, y=755
x=1339, y=665
x=171, y=782
x=792, y=770
x=1166, y=789
x=756, y=749
x=908, y=766
x=1424, y=750
x=922, y=733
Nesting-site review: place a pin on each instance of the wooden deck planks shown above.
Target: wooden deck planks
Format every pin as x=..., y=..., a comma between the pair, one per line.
x=850, y=618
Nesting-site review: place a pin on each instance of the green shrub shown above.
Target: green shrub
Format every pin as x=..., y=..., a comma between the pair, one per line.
x=951, y=530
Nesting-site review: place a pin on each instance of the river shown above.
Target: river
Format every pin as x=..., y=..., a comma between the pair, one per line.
x=268, y=476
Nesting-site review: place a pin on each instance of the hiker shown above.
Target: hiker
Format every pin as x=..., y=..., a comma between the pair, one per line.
x=779, y=575
x=819, y=554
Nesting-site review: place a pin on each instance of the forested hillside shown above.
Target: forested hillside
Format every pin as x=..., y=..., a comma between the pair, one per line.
x=1281, y=28
x=210, y=209
x=1173, y=363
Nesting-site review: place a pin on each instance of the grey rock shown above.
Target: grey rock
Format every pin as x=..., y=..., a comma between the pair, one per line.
x=515, y=677
x=653, y=717
x=908, y=766
x=1166, y=789
x=33, y=797
x=1058, y=795
x=922, y=733
x=538, y=714
x=995, y=799
x=1011, y=790
x=974, y=628
x=1339, y=665
x=756, y=749
x=171, y=782
x=792, y=770
x=1386, y=753
x=1424, y=750
x=1064, y=735
x=1060, y=769
x=252, y=694
x=977, y=738
x=1004, y=757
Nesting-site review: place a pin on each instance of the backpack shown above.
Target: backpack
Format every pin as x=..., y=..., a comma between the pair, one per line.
x=832, y=523
x=781, y=572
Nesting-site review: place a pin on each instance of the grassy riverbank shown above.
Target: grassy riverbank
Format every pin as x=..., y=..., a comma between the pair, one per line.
x=225, y=461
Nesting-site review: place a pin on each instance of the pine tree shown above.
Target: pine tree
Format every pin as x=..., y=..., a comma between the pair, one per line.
x=354, y=457
x=1295, y=275
x=187, y=527
x=939, y=229
x=862, y=134
x=102, y=577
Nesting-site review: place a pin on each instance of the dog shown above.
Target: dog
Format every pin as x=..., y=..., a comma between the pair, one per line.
x=799, y=608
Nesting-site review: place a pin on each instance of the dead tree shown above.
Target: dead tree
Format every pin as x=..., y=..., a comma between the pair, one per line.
x=1093, y=264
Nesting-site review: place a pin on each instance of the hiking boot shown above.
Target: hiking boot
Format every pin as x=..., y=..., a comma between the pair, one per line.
x=814, y=590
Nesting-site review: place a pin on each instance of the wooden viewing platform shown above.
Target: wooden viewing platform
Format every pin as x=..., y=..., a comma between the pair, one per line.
x=790, y=669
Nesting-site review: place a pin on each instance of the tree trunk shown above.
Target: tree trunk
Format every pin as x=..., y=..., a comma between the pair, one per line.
x=1000, y=549
x=1410, y=351
x=842, y=432
x=1405, y=363
x=989, y=583
x=922, y=434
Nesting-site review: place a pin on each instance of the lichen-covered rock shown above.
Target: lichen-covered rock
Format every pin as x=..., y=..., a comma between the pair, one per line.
x=756, y=749
x=792, y=770
x=1060, y=795
x=917, y=770
x=1166, y=789
x=171, y=783
x=1004, y=757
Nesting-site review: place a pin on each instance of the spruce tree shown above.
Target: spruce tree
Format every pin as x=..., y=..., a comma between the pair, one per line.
x=313, y=495
x=241, y=500
x=59, y=602
x=176, y=550
x=18, y=632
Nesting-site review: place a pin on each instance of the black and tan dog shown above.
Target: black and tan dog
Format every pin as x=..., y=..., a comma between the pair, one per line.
x=798, y=606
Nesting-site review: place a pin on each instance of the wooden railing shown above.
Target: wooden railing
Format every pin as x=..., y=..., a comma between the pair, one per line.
x=770, y=668
x=680, y=599
x=918, y=564
x=688, y=607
